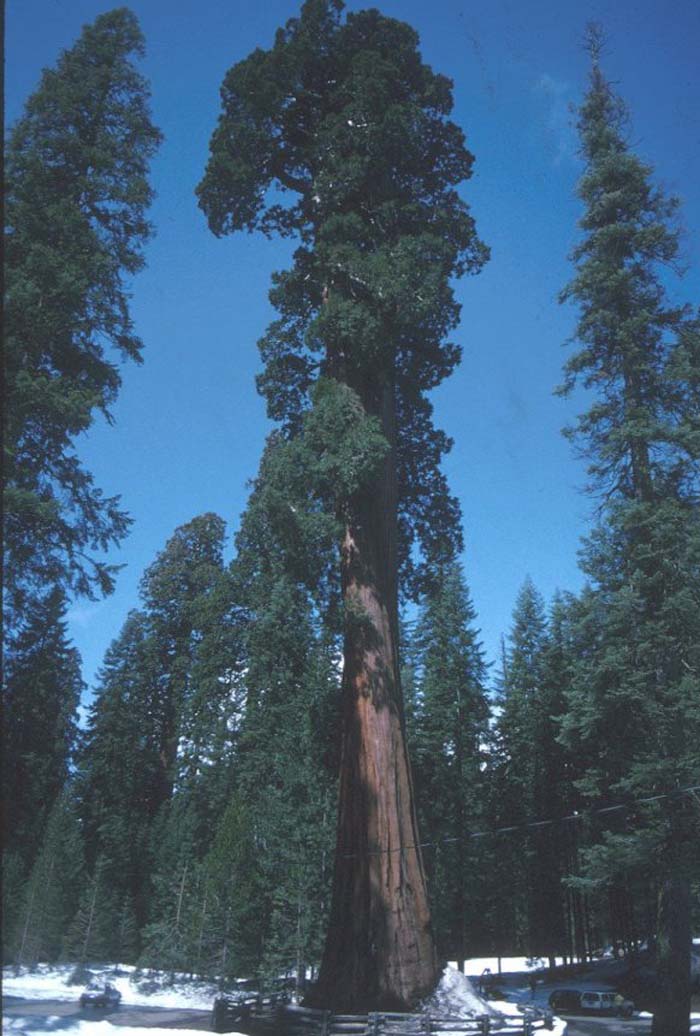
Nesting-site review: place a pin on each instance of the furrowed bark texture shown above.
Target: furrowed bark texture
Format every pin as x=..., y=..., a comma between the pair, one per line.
x=379, y=951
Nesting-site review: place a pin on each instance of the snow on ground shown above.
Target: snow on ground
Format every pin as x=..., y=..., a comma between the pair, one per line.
x=89, y=1028
x=505, y=1007
x=455, y=996
x=140, y=988
x=157, y=989
x=477, y=965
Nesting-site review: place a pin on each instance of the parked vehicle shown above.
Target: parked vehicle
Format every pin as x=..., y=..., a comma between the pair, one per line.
x=590, y=1002
x=101, y=996
x=565, y=999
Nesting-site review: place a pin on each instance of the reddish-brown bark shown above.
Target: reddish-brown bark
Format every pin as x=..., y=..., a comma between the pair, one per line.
x=379, y=951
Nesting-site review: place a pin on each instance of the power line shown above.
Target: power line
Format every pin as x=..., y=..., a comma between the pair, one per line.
x=530, y=824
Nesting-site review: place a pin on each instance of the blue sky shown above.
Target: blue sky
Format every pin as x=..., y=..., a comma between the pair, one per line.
x=189, y=425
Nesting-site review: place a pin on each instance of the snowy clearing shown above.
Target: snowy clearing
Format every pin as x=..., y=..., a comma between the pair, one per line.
x=159, y=989
x=140, y=988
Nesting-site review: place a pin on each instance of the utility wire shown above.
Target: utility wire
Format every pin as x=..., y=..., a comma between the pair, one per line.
x=529, y=824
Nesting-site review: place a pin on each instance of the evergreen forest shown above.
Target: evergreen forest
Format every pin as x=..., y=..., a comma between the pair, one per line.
x=208, y=811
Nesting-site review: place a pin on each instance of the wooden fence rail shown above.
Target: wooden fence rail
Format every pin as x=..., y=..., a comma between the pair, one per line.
x=265, y=1015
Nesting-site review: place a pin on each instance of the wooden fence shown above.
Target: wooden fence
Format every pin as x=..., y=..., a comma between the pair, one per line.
x=274, y=1014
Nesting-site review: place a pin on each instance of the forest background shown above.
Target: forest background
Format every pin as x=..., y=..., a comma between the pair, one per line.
x=226, y=660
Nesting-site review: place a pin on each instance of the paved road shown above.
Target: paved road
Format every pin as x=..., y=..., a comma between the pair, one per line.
x=71, y=1012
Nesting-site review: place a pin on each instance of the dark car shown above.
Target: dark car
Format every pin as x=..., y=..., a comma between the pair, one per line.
x=565, y=999
x=589, y=1001
x=104, y=996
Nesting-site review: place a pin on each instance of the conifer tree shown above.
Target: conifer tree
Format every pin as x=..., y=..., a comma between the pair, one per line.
x=520, y=753
x=285, y=764
x=41, y=694
x=553, y=903
x=636, y=698
x=176, y=899
x=176, y=591
x=77, y=193
x=91, y=931
x=120, y=768
x=53, y=887
x=447, y=734
x=352, y=129
x=233, y=882
x=162, y=717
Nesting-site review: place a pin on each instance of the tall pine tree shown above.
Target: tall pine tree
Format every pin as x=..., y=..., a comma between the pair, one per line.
x=636, y=698
x=448, y=728
x=286, y=759
x=518, y=758
x=352, y=129
x=53, y=888
x=163, y=718
x=76, y=197
x=120, y=768
x=177, y=592
x=42, y=688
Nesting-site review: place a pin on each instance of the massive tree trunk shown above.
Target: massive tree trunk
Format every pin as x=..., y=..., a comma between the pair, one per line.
x=379, y=950
x=673, y=940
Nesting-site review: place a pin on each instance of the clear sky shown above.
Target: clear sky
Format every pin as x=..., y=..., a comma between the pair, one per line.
x=189, y=425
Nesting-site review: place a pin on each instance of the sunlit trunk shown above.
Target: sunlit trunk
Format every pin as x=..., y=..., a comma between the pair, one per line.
x=379, y=951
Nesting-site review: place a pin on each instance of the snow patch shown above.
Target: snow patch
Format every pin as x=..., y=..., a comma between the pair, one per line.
x=456, y=998
x=138, y=988
x=89, y=1028
x=508, y=965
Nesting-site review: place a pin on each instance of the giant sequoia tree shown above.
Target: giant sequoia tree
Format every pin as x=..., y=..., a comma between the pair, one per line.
x=77, y=194
x=339, y=136
x=634, y=699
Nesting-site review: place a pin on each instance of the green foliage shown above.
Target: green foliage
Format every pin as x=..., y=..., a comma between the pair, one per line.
x=120, y=783
x=520, y=693
x=176, y=905
x=287, y=734
x=90, y=935
x=77, y=193
x=346, y=444
x=14, y=875
x=351, y=130
x=639, y=352
x=633, y=700
x=517, y=757
x=183, y=592
x=163, y=718
x=633, y=703
x=235, y=890
x=52, y=889
x=532, y=776
x=448, y=722
x=41, y=693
